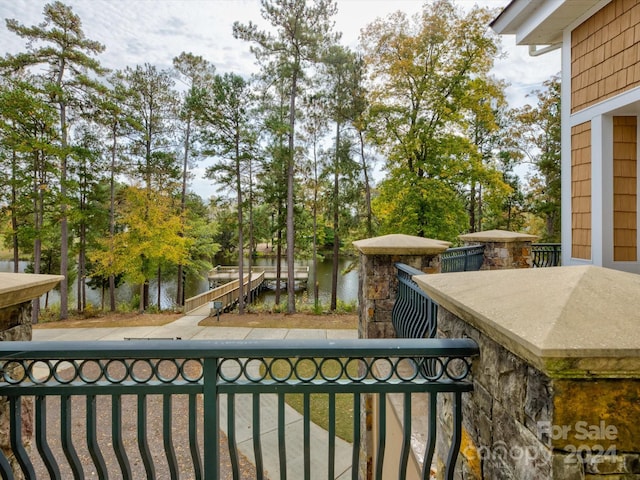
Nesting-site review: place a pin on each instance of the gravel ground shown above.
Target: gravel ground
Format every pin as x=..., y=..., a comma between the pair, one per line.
x=155, y=436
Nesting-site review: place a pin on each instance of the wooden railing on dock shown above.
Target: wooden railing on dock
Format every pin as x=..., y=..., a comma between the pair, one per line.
x=225, y=272
x=227, y=294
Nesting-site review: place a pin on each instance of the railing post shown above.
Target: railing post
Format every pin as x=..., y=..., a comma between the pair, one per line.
x=211, y=427
x=502, y=249
x=377, y=291
x=378, y=282
x=556, y=383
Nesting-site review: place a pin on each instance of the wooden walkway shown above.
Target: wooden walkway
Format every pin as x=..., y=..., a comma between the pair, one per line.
x=228, y=294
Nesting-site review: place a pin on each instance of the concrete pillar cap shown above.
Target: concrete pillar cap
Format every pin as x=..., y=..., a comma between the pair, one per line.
x=566, y=321
x=16, y=288
x=497, y=236
x=401, y=244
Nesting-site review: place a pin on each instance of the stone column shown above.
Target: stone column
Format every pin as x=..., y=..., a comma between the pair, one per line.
x=377, y=289
x=502, y=249
x=378, y=283
x=557, y=383
x=16, y=293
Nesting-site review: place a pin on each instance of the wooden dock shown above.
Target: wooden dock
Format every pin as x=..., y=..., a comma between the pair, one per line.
x=228, y=294
x=225, y=273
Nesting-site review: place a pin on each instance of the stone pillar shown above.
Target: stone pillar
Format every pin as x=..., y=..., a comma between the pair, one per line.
x=377, y=289
x=557, y=383
x=502, y=249
x=16, y=293
x=378, y=283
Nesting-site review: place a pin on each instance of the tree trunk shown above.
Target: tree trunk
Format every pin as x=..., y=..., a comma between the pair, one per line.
x=183, y=208
x=291, y=292
x=143, y=292
x=316, y=286
x=240, y=229
x=472, y=208
x=82, y=266
x=112, y=221
x=480, y=207
x=367, y=187
x=251, y=239
x=64, y=227
x=38, y=214
x=278, y=264
x=336, y=220
x=159, y=288
x=14, y=217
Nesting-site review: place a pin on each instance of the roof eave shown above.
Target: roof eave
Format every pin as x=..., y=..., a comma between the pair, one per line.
x=541, y=22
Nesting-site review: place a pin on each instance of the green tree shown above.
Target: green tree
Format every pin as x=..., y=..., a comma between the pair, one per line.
x=360, y=123
x=538, y=136
x=151, y=104
x=302, y=31
x=486, y=128
x=315, y=129
x=420, y=71
x=506, y=212
x=88, y=217
x=29, y=141
x=272, y=177
x=231, y=137
x=111, y=113
x=197, y=74
x=141, y=247
x=339, y=69
x=59, y=43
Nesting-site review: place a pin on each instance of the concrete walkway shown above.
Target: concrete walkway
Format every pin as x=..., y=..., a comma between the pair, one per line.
x=187, y=328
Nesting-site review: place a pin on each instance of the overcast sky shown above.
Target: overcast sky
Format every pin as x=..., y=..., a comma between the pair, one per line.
x=155, y=31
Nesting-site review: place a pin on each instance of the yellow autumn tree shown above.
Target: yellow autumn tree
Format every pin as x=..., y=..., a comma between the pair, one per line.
x=149, y=238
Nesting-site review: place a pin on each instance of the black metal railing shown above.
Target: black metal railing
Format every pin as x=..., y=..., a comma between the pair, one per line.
x=414, y=314
x=546, y=254
x=154, y=409
x=462, y=259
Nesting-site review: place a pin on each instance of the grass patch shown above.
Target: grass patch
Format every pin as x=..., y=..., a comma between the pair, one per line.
x=283, y=320
x=98, y=320
x=304, y=306
x=319, y=403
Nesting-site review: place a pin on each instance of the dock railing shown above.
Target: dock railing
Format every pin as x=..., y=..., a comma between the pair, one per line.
x=85, y=392
x=227, y=294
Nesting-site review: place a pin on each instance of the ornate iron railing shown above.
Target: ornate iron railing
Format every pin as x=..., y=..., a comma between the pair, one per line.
x=414, y=314
x=546, y=254
x=462, y=259
x=154, y=409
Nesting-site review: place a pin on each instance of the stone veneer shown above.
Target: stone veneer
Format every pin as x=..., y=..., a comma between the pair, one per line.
x=378, y=279
x=16, y=293
x=557, y=385
x=377, y=290
x=503, y=249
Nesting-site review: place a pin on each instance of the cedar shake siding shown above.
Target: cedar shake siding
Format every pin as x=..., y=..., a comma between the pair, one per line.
x=605, y=54
x=625, y=210
x=581, y=191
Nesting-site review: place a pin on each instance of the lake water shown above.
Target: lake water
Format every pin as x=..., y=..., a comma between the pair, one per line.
x=347, y=285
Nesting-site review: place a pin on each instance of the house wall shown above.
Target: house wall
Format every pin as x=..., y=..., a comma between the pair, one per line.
x=600, y=110
x=581, y=191
x=625, y=199
x=605, y=54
